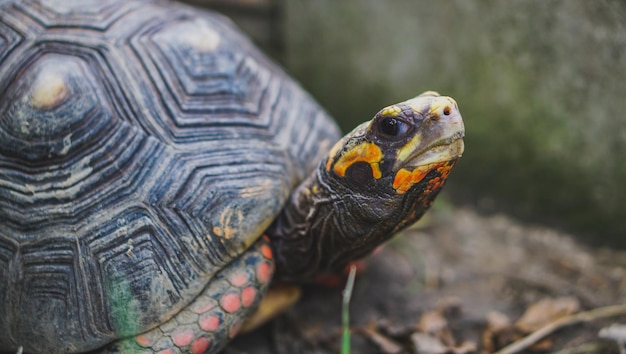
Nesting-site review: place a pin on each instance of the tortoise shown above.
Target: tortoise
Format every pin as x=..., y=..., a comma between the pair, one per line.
x=157, y=171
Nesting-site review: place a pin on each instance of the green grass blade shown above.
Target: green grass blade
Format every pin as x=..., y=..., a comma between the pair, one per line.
x=345, y=311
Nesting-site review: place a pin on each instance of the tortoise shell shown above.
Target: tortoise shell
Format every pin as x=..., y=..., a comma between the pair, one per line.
x=144, y=146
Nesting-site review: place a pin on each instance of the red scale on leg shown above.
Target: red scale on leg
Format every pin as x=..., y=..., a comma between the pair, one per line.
x=218, y=313
x=200, y=345
x=209, y=322
x=266, y=251
x=264, y=272
x=230, y=302
x=143, y=340
x=182, y=337
x=240, y=279
x=248, y=295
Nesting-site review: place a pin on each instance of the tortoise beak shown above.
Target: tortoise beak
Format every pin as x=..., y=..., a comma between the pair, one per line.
x=440, y=133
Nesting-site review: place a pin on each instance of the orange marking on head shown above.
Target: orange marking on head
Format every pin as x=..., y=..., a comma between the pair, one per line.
x=182, y=337
x=364, y=152
x=209, y=322
x=266, y=251
x=166, y=351
x=376, y=170
x=230, y=302
x=248, y=295
x=401, y=178
x=200, y=345
x=444, y=170
x=404, y=179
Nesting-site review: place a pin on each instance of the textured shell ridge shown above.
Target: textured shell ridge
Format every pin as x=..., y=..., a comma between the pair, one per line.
x=149, y=144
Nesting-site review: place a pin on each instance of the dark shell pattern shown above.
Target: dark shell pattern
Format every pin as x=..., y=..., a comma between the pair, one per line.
x=144, y=147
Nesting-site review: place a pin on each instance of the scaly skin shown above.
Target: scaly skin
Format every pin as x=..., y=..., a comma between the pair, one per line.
x=214, y=317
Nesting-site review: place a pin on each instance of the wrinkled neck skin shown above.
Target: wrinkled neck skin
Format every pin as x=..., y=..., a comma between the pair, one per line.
x=327, y=224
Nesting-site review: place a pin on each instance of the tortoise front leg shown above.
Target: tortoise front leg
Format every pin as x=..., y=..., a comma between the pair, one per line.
x=213, y=318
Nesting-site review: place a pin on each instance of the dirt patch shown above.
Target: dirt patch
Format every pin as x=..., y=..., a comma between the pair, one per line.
x=459, y=283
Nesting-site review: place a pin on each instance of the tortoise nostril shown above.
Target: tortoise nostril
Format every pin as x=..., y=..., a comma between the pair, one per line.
x=446, y=111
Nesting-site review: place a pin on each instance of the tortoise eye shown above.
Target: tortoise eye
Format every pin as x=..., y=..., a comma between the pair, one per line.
x=393, y=127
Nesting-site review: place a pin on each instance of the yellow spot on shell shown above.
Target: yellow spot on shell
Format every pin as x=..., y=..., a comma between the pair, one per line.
x=392, y=111
x=257, y=189
x=225, y=228
x=364, y=152
x=49, y=90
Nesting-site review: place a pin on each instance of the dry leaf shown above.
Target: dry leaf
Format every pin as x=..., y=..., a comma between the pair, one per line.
x=499, y=332
x=497, y=321
x=432, y=322
x=428, y=344
x=546, y=311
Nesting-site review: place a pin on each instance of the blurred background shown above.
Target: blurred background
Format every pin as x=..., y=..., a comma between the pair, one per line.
x=541, y=85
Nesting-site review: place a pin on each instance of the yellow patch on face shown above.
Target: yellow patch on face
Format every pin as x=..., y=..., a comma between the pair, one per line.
x=392, y=111
x=405, y=151
x=364, y=152
x=332, y=153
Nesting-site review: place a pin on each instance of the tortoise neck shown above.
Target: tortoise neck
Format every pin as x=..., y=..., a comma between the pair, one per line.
x=297, y=232
x=326, y=223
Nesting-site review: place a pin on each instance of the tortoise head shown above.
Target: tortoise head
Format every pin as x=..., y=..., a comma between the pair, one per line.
x=377, y=180
x=400, y=147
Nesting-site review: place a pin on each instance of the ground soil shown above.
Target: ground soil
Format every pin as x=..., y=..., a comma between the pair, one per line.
x=459, y=282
